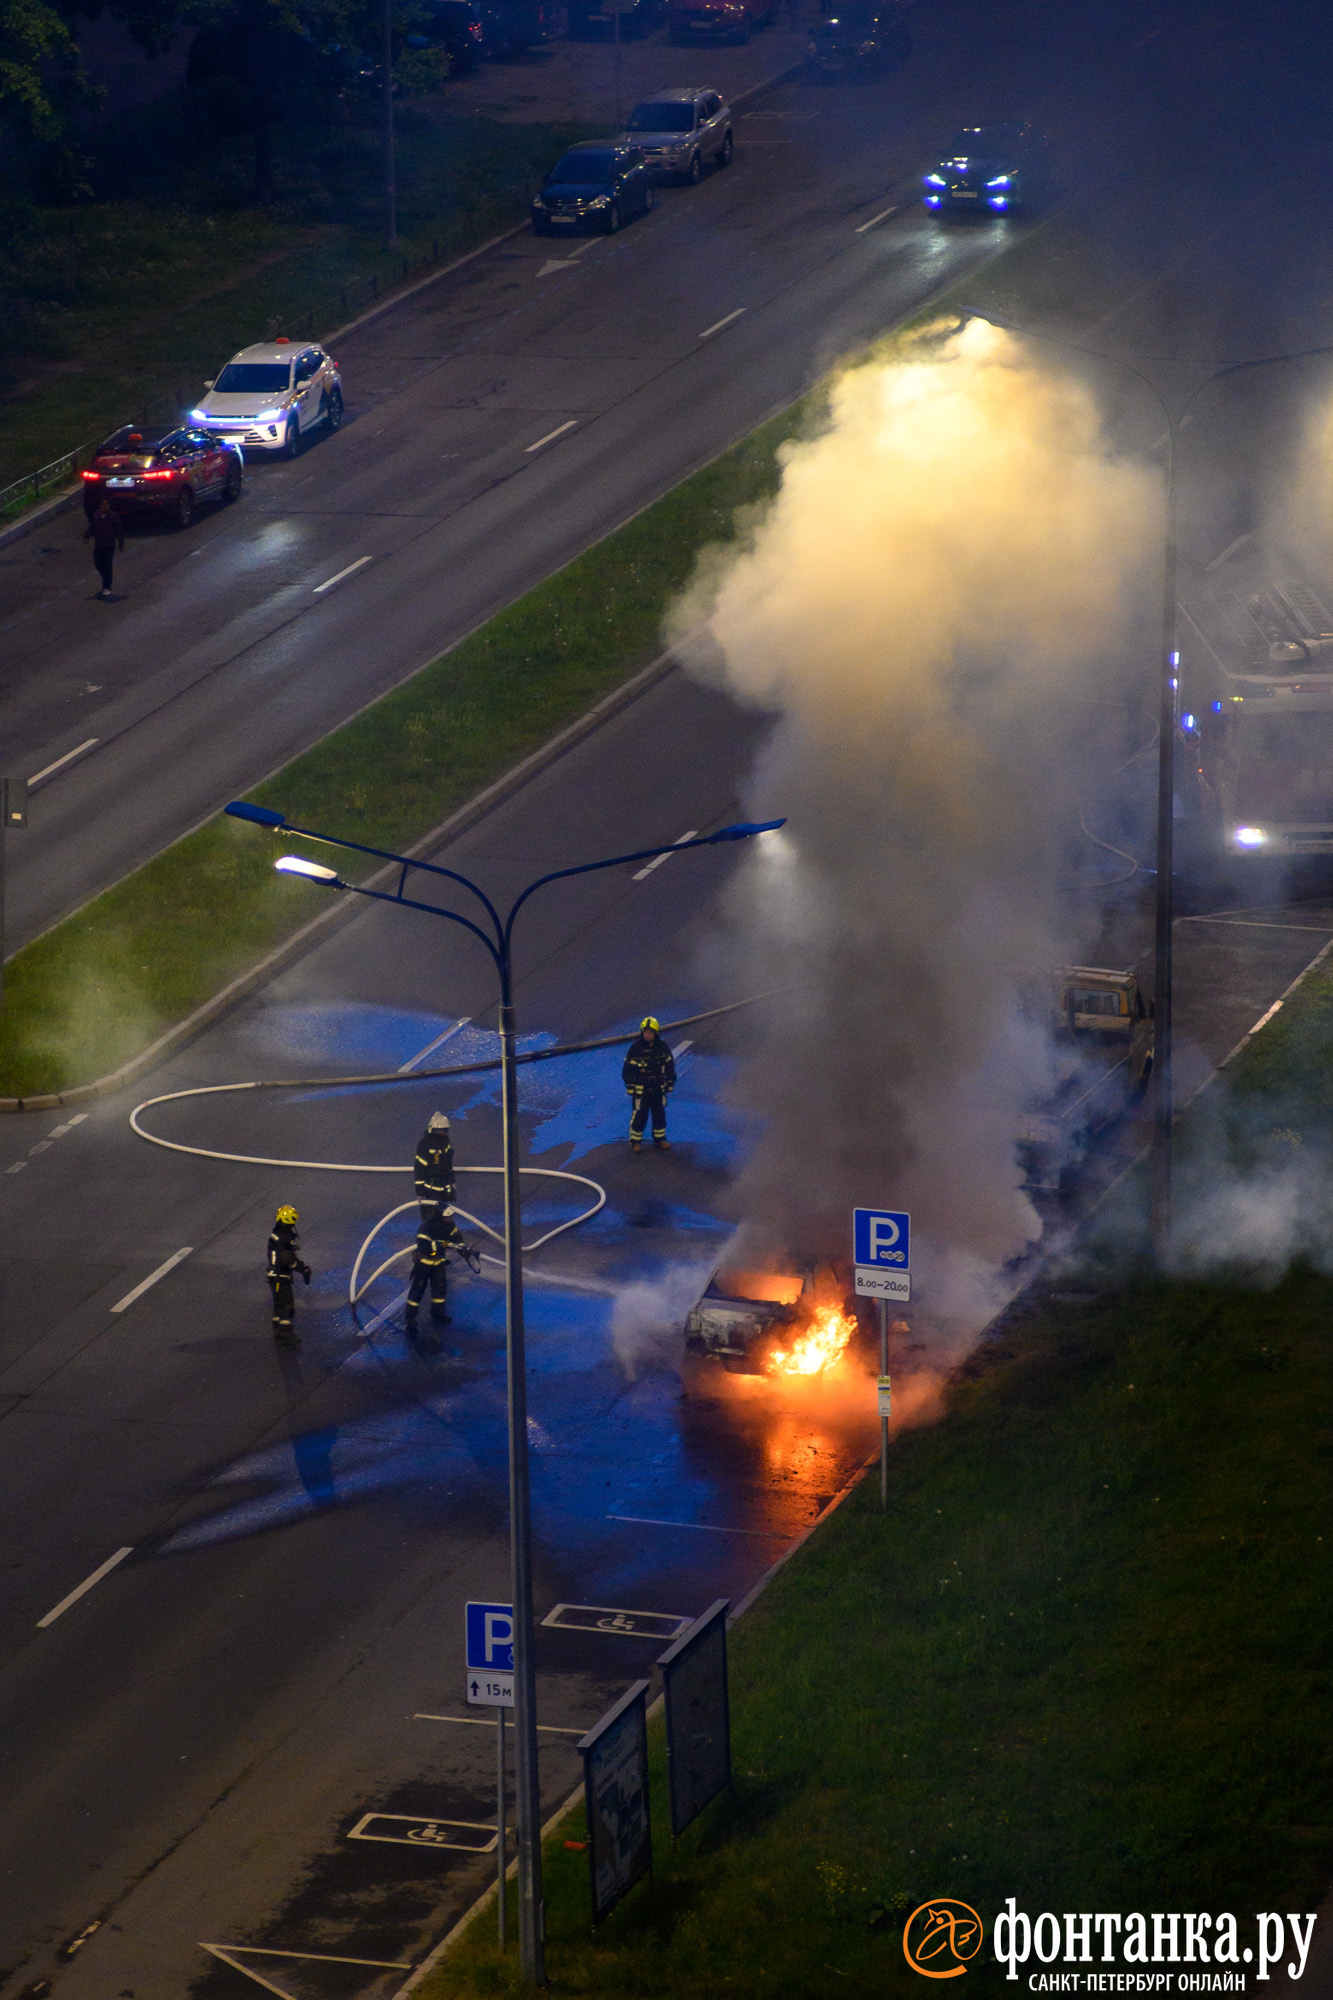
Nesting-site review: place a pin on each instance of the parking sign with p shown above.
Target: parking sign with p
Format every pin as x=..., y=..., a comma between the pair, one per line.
x=490, y=1654
x=881, y=1251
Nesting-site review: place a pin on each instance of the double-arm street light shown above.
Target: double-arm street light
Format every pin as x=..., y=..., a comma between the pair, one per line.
x=1175, y=410
x=496, y=935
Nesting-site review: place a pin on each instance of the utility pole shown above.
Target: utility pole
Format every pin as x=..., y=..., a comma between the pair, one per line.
x=390, y=171
x=14, y=811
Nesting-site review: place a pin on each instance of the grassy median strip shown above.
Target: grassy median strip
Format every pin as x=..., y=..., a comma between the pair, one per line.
x=1083, y=1660
x=103, y=984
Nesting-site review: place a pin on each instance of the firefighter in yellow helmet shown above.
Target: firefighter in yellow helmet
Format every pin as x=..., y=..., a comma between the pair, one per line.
x=284, y=1260
x=649, y=1076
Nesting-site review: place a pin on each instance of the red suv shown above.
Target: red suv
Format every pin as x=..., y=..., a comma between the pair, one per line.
x=719, y=20
x=164, y=470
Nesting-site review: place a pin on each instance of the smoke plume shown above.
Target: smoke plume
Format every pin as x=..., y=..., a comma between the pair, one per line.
x=939, y=595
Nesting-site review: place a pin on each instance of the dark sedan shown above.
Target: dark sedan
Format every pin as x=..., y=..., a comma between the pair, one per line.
x=167, y=471
x=986, y=170
x=595, y=184
x=857, y=37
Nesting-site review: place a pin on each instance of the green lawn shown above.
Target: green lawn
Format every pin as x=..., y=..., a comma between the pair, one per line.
x=1083, y=1660
x=103, y=984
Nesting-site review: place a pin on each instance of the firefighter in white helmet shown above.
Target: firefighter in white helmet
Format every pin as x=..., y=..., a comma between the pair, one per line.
x=649, y=1076
x=434, y=1165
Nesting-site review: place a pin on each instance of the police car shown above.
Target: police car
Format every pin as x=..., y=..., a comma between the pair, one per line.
x=268, y=396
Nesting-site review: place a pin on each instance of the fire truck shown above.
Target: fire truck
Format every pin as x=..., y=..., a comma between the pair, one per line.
x=1261, y=657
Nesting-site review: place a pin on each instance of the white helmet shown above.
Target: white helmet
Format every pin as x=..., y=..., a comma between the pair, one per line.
x=437, y=1122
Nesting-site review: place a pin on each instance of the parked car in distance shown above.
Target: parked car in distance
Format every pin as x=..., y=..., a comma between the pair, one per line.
x=592, y=17
x=858, y=36
x=599, y=182
x=677, y=130
x=718, y=20
x=268, y=395
x=512, y=25
x=986, y=169
x=454, y=26
x=166, y=471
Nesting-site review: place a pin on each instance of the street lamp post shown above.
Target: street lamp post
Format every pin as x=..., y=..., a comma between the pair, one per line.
x=1174, y=414
x=497, y=938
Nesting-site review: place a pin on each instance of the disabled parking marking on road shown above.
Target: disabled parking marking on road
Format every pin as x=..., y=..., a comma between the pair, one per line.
x=421, y=1830
x=624, y=1624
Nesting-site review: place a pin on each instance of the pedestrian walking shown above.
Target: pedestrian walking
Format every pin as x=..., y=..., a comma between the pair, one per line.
x=437, y=1235
x=434, y=1165
x=284, y=1261
x=107, y=535
x=649, y=1076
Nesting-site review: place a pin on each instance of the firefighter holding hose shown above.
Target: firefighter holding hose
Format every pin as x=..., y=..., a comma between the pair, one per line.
x=284, y=1261
x=649, y=1076
x=438, y=1234
x=434, y=1165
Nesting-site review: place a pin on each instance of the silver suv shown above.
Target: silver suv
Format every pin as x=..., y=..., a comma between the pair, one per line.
x=677, y=130
x=269, y=395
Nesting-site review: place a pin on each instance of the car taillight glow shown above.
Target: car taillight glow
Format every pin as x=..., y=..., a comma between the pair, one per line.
x=157, y=475
x=91, y=475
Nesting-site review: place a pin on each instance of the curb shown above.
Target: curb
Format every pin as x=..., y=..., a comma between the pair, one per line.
x=342, y=911
x=39, y=516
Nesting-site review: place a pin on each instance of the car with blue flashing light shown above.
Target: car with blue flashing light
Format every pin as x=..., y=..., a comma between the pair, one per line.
x=595, y=185
x=268, y=396
x=985, y=170
x=165, y=472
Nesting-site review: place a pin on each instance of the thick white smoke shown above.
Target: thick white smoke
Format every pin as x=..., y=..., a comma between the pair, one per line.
x=933, y=605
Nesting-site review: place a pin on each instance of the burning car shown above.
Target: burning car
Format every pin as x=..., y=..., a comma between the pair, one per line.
x=1106, y=1025
x=772, y=1322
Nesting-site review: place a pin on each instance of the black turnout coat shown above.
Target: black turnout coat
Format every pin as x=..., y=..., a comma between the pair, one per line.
x=649, y=1066
x=434, y=1167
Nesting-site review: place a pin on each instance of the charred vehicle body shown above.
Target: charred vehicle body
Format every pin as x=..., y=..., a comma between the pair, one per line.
x=795, y=1322
x=1104, y=1027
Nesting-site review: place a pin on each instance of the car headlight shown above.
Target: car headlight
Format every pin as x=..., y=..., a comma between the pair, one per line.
x=268, y=416
x=934, y=180
x=1001, y=181
x=599, y=201
x=1249, y=836
x=538, y=201
x=199, y=416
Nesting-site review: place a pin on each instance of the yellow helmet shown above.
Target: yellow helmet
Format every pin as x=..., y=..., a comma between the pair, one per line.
x=650, y=1021
x=287, y=1213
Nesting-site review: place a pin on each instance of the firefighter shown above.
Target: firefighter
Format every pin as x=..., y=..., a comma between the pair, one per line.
x=438, y=1234
x=284, y=1259
x=435, y=1165
x=650, y=1077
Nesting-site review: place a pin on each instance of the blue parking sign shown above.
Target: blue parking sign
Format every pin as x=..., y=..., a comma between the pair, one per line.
x=490, y=1638
x=881, y=1237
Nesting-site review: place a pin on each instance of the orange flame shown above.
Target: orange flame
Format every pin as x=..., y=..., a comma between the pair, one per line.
x=817, y=1347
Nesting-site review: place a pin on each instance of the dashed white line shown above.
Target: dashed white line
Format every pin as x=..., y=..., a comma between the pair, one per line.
x=17, y=1167
x=559, y=431
x=659, y=859
x=152, y=1278
x=718, y=325
x=360, y=563
x=883, y=216
x=438, y=1043
x=102, y=1570
x=50, y=770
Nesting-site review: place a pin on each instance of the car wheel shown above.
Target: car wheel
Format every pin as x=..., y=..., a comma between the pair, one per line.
x=333, y=410
x=232, y=489
x=184, y=508
x=694, y=173
x=291, y=442
x=612, y=223
x=725, y=150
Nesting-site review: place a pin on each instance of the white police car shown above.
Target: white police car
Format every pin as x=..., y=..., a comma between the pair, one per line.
x=269, y=395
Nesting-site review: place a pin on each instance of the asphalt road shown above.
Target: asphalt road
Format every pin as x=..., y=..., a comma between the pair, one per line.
x=185, y=1750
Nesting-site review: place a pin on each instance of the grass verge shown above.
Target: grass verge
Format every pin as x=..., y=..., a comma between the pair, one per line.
x=103, y=984
x=1082, y=1660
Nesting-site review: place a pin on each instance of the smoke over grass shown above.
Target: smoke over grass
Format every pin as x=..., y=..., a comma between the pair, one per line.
x=943, y=590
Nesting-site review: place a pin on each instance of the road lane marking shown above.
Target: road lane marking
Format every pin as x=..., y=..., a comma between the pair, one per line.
x=559, y=431
x=151, y=1279
x=624, y=1624
x=883, y=216
x=430, y=1047
x=556, y=264
x=380, y=1317
x=431, y=1832
x=17, y=1167
x=487, y=1722
x=704, y=1527
x=319, y=1957
x=59, y=1131
x=1256, y=924
x=40, y=777
x=103, y=1569
x=693, y=834
x=360, y=563
x=718, y=325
